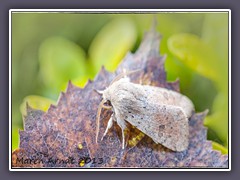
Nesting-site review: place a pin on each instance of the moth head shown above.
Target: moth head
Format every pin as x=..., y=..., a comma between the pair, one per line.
x=104, y=94
x=109, y=93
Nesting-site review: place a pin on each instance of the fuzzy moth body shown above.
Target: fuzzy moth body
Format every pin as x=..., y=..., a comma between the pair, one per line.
x=159, y=113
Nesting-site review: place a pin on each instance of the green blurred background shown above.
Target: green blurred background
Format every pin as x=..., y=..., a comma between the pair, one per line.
x=49, y=49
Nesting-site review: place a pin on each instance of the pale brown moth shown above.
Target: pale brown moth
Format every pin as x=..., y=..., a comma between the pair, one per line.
x=160, y=113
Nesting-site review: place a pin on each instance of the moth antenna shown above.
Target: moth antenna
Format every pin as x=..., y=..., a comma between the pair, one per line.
x=154, y=23
x=98, y=119
x=99, y=91
x=123, y=74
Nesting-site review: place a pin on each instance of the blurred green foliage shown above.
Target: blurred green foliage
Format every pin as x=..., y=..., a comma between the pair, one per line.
x=49, y=49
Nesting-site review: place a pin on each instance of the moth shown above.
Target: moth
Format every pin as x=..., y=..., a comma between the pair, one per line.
x=159, y=113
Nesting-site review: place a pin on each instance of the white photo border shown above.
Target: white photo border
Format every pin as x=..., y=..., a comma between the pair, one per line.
x=100, y=11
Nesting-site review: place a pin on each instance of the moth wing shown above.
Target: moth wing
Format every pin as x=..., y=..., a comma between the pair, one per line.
x=165, y=124
x=169, y=97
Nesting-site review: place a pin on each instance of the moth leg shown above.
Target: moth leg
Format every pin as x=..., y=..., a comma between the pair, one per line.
x=109, y=125
x=123, y=126
x=123, y=139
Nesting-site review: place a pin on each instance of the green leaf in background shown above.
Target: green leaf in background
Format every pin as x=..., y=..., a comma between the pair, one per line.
x=61, y=60
x=219, y=147
x=215, y=34
x=15, y=137
x=36, y=102
x=112, y=43
x=208, y=57
x=80, y=81
x=218, y=121
x=194, y=53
